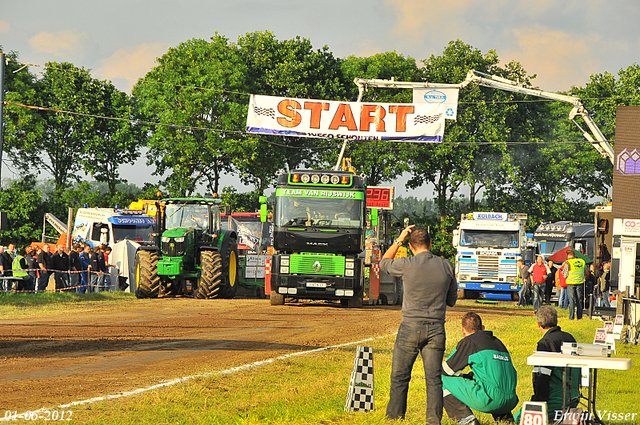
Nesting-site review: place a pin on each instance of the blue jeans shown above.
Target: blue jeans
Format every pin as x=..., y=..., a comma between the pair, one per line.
x=563, y=301
x=43, y=281
x=575, y=294
x=538, y=294
x=428, y=339
x=523, y=294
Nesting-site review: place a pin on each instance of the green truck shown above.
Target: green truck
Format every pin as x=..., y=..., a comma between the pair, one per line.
x=192, y=255
x=318, y=235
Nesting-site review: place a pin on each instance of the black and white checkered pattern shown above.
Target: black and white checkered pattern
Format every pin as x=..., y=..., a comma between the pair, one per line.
x=361, y=400
x=360, y=397
x=270, y=112
x=426, y=119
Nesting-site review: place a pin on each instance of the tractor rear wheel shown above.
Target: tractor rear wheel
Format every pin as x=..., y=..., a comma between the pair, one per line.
x=230, y=269
x=147, y=279
x=211, y=279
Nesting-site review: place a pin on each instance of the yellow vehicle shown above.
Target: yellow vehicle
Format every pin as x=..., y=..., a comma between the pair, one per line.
x=146, y=205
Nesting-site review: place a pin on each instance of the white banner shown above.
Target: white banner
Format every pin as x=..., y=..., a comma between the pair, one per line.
x=446, y=97
x=345, y=120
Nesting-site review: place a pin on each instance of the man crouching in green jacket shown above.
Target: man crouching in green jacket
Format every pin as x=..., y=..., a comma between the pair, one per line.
x=491, y=385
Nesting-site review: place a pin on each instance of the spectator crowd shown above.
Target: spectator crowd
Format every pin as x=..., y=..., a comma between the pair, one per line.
x=30, y=269
x=577, y=284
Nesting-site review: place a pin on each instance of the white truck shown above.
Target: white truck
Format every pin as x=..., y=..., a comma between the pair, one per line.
x=488, y=245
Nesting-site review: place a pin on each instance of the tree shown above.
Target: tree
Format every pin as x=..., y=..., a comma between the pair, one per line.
x=25, y=211
x=192, y=99
x=115, y=141
x=288, y=68
x=69, y=133
x=465, y=157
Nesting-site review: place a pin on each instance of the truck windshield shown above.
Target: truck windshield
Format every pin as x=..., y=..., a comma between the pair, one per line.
x=489, y=239
x=318, y=212
x=551, y=247
x=192, y=216
x=133, y=233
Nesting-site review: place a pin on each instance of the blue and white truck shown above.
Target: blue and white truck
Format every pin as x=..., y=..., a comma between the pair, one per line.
x=488, y=245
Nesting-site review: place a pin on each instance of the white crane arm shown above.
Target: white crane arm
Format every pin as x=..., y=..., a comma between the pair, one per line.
x=56, y=223
x=596, y=138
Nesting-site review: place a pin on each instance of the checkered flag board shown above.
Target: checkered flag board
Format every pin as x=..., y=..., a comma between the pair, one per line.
x=426, y=119
x=360, y=397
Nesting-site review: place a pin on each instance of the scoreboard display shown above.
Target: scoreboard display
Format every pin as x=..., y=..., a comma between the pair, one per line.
x=380, y=197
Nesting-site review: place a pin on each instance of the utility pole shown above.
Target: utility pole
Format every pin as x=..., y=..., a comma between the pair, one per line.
x=2, y=62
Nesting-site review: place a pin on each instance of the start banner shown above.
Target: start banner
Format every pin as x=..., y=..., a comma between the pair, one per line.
x=346, y=120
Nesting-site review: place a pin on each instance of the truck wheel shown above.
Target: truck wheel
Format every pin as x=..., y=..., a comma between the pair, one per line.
x=276, y=299
x=356, y=300
x=211, y=280
x=399, y=290
x=230, y=269
x=147, y=279
x=462, y=294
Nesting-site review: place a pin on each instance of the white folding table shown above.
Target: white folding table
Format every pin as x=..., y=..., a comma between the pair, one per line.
x=540, y=358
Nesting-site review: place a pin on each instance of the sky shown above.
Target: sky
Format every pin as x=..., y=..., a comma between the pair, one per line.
x=563, y=42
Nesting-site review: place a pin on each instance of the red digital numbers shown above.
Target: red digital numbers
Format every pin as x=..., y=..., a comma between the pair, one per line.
x=380, y=197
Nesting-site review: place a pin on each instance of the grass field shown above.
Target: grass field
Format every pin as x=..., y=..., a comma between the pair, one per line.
x=20, y=304
x=312, y=388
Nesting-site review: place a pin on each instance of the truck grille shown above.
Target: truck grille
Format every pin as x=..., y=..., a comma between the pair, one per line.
x=332, y=265
x=488, y=267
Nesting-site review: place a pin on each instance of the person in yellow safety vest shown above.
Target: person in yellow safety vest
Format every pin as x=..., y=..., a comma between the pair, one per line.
x=20, y=268
x=574, y=271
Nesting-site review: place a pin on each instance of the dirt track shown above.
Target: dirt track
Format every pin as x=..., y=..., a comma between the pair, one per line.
x=106, y=349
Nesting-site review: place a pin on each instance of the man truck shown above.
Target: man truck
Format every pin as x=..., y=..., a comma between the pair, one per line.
x=488, y=246
x=318, y=235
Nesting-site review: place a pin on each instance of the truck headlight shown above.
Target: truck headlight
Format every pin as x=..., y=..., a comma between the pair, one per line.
x=349, y=272
x=349, y=264
x=284, y=260
x=511, y=279
x=284, y=269
x=166, y=239
x=179, y=240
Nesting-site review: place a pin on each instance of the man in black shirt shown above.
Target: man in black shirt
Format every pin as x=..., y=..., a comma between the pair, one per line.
x=32, y=265
x=45, y=264
x=547, y=380
x=75, y=266
x=60, y=263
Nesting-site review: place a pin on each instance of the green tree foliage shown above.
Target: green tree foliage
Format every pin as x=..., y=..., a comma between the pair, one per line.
x=69, y=136
x=289, y=68
x=474, y=149
x=189, y=97
x=25, y=209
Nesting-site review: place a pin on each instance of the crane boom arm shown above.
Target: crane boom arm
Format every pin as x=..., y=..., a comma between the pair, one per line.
x=596, y=138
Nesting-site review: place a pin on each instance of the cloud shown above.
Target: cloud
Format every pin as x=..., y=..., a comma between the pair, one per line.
x=560, y=59
x=127, y=65
x=67, y=45
x=4, y=26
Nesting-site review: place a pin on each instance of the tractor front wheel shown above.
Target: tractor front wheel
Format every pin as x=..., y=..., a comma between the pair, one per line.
x=211, y=279
x=147, y=279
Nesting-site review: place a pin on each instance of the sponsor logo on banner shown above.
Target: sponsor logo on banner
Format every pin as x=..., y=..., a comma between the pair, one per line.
x=442, y=96
x=346, y=120
x=435, y=96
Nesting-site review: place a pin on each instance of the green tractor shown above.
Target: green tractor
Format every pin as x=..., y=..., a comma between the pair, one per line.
x=192, y=256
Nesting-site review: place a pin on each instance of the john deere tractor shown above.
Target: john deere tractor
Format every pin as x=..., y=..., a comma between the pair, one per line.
x=192, y=256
